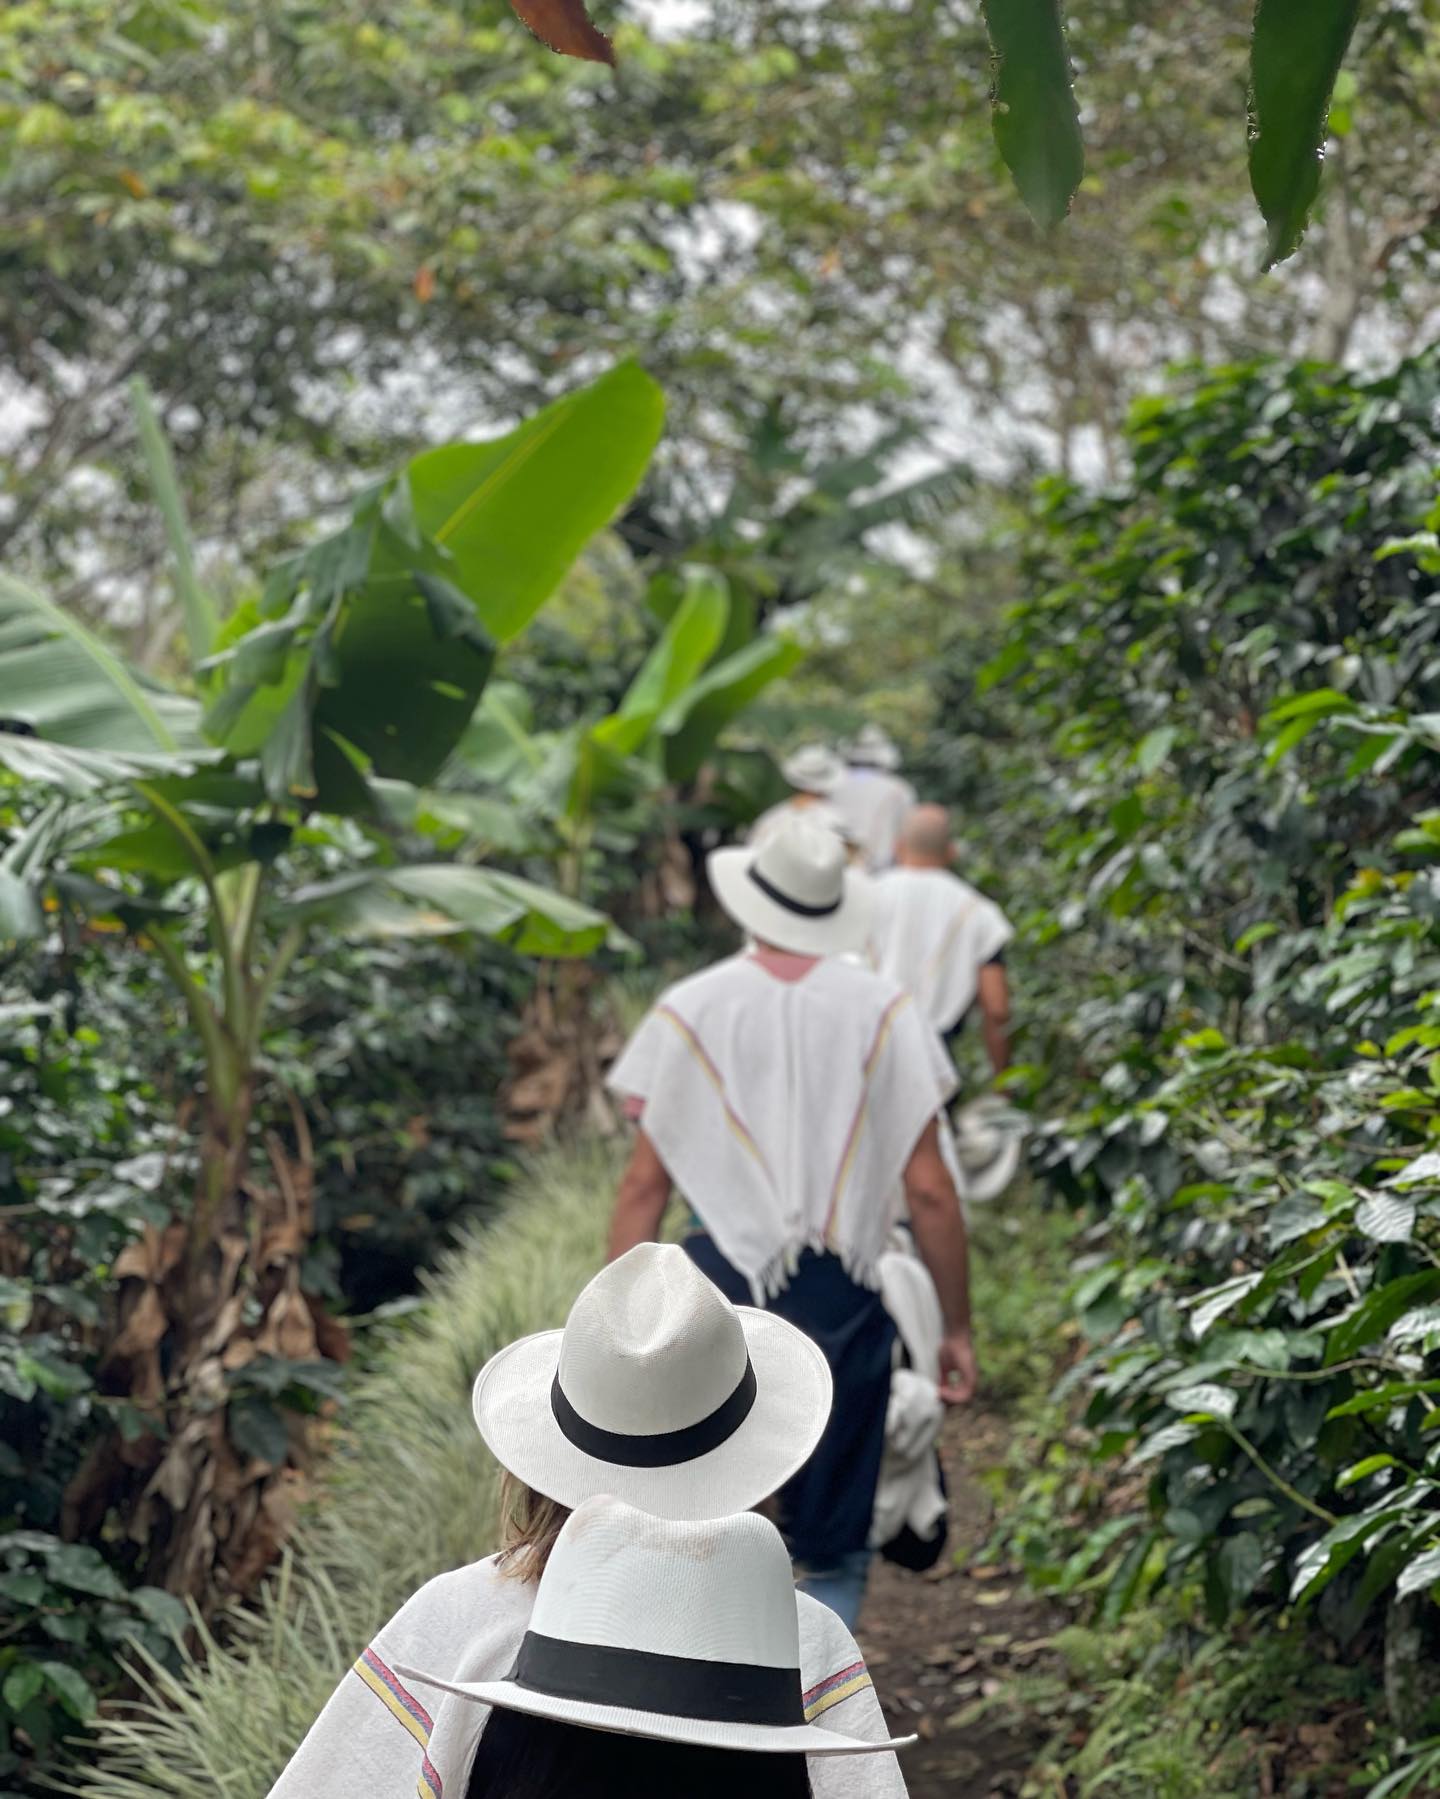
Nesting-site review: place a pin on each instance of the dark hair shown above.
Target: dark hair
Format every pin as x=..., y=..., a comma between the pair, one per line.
x=521, y=1757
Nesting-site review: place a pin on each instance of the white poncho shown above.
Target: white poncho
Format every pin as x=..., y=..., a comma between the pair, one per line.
x=383, y=1735
x=932, y=933
x=874, y=806
x=786, y=1112
x=818, y=812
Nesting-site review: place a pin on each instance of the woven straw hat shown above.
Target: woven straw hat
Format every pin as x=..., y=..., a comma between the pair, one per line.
x=684, y=1632
x=658, y=1391
x=795, y=890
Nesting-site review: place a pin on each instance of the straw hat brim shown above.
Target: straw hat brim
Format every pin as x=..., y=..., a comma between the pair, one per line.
x=988, y=1153
x=801, y=1739
x=988, y=1180
x=835, y=934
x=794, y=1393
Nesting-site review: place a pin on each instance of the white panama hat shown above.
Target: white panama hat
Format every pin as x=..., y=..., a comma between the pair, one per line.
x=795, y=890
x=988, y=1139
x=658, y=1391
x=813, y=769
x=683, y=1632
x=872, y=748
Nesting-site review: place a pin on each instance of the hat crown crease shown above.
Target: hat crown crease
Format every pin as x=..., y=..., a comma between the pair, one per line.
x=651, y=1346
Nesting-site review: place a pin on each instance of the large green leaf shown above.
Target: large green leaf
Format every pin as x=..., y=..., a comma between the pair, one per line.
x=365, y=659
x=498, y=745
x=76, y=771
x=605, y=755
x=693, y=724
x=59, y=682
x=1295, y=55
x=201, y=620
x=455, y=818
x=687, y=643
x=1036, y=120
x=513, y=514
x=370, y=651
x=446, y=899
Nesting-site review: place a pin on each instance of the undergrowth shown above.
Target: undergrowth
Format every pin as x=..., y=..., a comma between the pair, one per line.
x=409, y=1492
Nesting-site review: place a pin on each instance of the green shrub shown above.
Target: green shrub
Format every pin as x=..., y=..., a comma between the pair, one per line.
x=1205, y=752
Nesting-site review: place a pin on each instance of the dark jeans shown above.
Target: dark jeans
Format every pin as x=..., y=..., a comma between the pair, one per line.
x=825, y=1510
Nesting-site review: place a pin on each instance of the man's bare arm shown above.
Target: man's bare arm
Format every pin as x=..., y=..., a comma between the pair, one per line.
x=640, y=1199
x=994, y=995
x=939, y=1227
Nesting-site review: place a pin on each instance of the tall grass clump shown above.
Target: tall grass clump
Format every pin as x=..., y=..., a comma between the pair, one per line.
x=410, y=1491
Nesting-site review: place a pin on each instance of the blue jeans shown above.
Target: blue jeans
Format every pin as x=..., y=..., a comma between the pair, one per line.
x=840, y=1586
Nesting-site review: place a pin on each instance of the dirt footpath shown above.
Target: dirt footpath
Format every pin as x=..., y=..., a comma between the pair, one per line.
x=937, y=1643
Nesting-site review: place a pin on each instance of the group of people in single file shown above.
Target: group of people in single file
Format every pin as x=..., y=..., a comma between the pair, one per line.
x=699, y=1468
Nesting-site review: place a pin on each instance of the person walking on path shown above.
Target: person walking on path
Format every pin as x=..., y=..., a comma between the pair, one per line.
x=813, y=773
x=941, y=938
x=660, y=1392
x=659, y=1657
x=794, y=1098
x=872, y=799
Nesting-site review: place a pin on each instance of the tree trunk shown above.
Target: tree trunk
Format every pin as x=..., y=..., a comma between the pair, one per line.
x=1412, y=1664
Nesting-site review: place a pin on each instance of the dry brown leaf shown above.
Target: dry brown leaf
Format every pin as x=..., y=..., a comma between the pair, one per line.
x=281, y=1243
x=564, y=26
x=144, y=1327
x=226, y=1325
x=543, y=1090
x=152, y=1255
x=239, y=1353
x=332, y=1335
x=288, y=1331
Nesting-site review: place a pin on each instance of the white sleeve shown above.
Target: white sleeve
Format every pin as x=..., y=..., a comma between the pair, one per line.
x=840, y=1693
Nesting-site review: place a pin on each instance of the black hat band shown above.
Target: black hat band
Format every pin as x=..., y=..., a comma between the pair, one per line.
x=673, y=1685
x=666, y=1448
x=781, y=898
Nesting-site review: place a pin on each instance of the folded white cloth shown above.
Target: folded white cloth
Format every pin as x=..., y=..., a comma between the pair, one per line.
x=909, y=1490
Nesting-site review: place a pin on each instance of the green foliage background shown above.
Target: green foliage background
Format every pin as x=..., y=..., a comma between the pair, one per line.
x=1203, y=757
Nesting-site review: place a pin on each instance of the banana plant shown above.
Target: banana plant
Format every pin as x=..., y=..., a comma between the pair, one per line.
x=259, y=805
x=564, y=787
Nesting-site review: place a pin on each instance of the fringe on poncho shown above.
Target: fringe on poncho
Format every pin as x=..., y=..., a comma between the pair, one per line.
x=786, y=1111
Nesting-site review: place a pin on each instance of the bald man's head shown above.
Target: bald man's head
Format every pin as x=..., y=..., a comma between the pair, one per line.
x=925, y=839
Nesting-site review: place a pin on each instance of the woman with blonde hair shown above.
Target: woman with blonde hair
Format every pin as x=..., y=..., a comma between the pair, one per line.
x=662, y=1394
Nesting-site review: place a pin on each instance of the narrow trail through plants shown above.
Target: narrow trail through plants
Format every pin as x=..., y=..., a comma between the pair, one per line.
x=942, y=1645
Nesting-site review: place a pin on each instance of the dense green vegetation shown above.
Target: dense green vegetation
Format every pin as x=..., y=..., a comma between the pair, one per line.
x=1213, y=729
x=374, y=669
x=251, y=849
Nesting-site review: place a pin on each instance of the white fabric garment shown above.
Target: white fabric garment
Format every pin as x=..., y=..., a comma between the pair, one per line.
x=383, y=1738
x=786, y=1112
x=874, y=806
x=909, y=1489
x=819, y=812
x=932, y=933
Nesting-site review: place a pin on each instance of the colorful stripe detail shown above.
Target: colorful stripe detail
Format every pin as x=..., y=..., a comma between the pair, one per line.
x=697, y=1048
x=428, y=1786
x=836, y=1690
x=385, y=1684
x=852, y=1141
